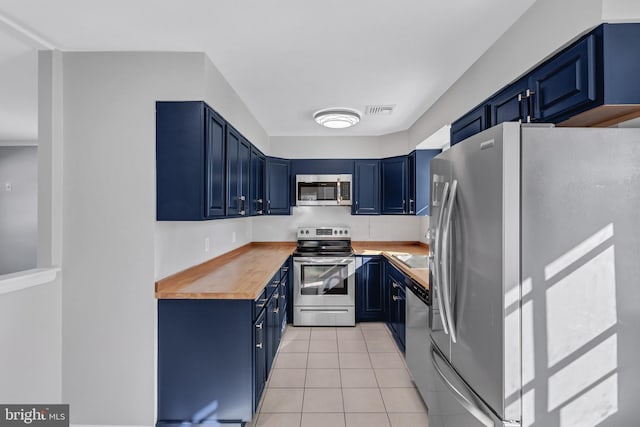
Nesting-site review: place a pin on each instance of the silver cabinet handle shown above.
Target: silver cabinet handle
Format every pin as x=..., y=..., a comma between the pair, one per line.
x=259, y=203
x=285, y=269
x=446, y=264
x=436, y=257
x=395, y=285
x=275, y=283
x=404, y=203
x=259, y=345
x=242, y=207
x=276, y=310
x=262, y=303
x=395, y=298
x=466, y=401
x=269, y=207
x=411, y=206
x=259, y=325
x=357, y=208
x=276, y=295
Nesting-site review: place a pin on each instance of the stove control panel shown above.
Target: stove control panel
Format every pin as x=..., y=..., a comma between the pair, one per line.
x=324, y=233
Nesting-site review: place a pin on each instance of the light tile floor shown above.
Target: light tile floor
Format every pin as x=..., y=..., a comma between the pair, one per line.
x=340, y=377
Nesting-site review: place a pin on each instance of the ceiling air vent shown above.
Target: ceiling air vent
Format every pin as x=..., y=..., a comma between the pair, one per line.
x=379, y=110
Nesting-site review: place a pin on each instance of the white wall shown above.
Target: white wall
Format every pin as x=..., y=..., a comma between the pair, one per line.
x=542, y=30
x=224, y=99
x=180, y=245
x=109, y=309
x=372, y=228
x=18, y=208
x=30, y=355
x=339, y=147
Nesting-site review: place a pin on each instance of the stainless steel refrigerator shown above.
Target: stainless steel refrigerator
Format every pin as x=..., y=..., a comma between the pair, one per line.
x=535, y=316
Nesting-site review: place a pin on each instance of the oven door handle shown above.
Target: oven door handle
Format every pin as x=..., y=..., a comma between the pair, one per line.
x=324, y=260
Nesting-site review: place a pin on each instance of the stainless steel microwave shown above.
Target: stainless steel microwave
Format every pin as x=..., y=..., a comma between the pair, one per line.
x=323, y=190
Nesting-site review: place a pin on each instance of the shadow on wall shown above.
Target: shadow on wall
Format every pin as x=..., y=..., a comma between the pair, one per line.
x=573, y=319
x=18, y=208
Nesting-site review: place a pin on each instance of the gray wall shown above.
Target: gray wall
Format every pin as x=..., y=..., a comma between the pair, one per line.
x=18, y=208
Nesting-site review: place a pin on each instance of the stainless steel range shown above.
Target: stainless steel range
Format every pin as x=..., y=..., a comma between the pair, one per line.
x=324, y=270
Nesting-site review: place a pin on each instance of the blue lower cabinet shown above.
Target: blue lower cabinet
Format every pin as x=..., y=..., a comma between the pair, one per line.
x=370, y=290
x=205, y=360
x=214, y=355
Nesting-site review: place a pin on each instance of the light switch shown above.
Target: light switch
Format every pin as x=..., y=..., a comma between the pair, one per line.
x=8, y=187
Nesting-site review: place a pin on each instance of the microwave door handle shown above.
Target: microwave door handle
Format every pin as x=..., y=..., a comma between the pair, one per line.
x=436, y=258
x=446, y=262
x=338, y=194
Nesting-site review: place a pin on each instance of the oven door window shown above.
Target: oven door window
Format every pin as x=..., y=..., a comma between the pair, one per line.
x=317, y=191
x=318, y=279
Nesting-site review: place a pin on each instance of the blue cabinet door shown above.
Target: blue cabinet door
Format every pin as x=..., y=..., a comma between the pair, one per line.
x=565, y=83
x=394, y=185
x=233, y=172
x=396, y=303
x=238, y=160
x=244, y=160
x=259, y=359
x=470, y=124
x=272, y=329
x=511, y=104
x=366, y=187
x=215, y=162
x=370, y=292
x=256, y=190
x=205, y=361
x=278, y=185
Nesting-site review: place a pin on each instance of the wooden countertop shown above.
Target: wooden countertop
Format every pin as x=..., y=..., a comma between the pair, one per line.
x=387, y=249
x=244, y=272
x=239, y=274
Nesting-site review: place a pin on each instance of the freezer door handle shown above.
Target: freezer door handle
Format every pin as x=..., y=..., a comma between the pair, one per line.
x=436, y=259
x=465, y=397
x=446, y=262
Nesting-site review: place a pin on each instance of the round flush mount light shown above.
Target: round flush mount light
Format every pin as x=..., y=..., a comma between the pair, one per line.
x=337, y=118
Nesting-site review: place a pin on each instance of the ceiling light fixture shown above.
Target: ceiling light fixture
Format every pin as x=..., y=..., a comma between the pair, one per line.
x=337, y=118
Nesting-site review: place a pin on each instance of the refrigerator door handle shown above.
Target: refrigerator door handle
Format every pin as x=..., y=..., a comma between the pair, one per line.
x=446, y=262
x=467, y=400
x=436, y=258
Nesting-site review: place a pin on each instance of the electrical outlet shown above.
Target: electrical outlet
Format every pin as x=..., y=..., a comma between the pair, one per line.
x=207, y=244
x=233, y=237
x=8, y=187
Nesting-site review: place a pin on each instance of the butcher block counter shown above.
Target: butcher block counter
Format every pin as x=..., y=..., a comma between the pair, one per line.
x=244, y=272
x=387, y=249
x=239, y=274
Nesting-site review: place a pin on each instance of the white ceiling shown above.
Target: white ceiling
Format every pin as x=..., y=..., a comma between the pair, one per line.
x=285, y=58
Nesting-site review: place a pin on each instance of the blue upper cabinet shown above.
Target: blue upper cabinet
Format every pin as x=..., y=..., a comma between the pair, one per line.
x=394, y=185
x=471, y=123
x=278, y=186
x=238, y=160
x=190, y=162
x=419, y=181
x=256, y=188
x=591, y=82
x=366, y=187
x=511, y=104
x=565, y=83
